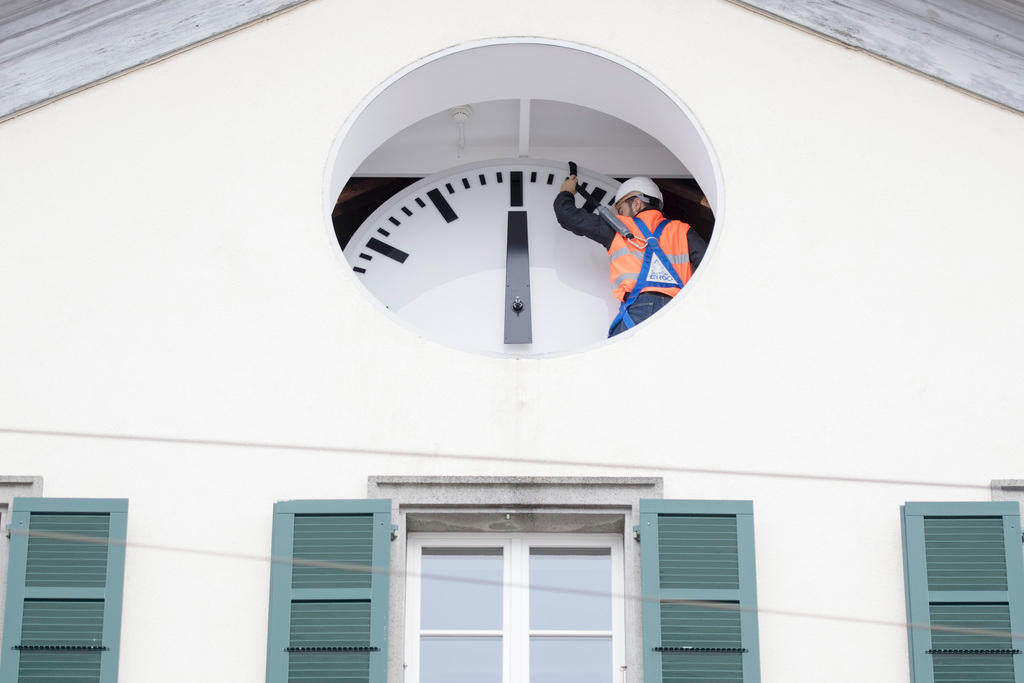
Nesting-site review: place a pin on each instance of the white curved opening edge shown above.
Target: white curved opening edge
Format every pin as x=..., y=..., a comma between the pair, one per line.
x=522, y=68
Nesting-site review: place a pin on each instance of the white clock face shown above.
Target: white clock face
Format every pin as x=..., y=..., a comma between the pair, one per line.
x=448, y=257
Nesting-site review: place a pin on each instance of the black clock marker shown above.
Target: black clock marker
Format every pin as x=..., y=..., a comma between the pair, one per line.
x=366, y=256
x=515, y=188
x=393, y=220
x=387, y=250
x=420, y=202
x=499, y=177
x=442, y=205
x=359, y=270
x=465, y=183
x=451, y=190
x=596, y=195
x=483, y=180
x=384, y=232
x=551, y=178
x=406, y=211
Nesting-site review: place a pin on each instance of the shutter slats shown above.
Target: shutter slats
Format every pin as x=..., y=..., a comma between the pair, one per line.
x=333, y=539
x=335, y=667
x=681, y=667
x=66, y=562
x=62, y=622
x=973, y=669
x=965, y=553
x=699, y=626
x=62, y=667
x=326, y=624
x=966, y=666
x=697, y=560
x=698, y=552
x=987, y=618
x=957, y=565
x=329, y=623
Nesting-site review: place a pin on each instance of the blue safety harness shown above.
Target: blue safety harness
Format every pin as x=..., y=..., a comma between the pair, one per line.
x=667, y=273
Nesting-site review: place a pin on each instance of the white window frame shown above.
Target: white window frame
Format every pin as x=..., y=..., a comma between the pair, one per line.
x=515, y=631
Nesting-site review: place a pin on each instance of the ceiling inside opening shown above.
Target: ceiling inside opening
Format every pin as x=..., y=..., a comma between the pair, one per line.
x=539, y=129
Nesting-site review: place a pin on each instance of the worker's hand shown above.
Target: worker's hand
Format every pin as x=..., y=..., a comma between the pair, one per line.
x=569, y=185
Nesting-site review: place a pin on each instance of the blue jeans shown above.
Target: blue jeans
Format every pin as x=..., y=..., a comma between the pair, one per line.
x=646, y=305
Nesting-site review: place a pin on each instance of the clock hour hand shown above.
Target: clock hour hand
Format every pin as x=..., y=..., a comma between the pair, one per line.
x=518, y=326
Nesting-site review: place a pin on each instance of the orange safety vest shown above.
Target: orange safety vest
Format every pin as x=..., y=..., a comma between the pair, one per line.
x=626, y=259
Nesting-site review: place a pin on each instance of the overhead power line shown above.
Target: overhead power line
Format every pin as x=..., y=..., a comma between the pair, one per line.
x=631, y=466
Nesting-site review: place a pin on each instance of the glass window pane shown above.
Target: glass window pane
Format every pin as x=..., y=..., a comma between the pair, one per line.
x=570, y=589
x=460, y=660
x=571, y=660
x=461, y=588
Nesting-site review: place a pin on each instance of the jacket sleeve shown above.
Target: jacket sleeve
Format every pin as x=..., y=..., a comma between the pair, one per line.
x=580, y=222
x=697, y=247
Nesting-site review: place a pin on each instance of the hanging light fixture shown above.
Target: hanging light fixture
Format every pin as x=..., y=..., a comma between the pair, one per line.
x=460, y=115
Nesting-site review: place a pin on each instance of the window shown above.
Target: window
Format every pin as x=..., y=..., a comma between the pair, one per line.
x=475, y=527
x=489, y=608
x=964, y=578
x=64, y=590
x=513, y=579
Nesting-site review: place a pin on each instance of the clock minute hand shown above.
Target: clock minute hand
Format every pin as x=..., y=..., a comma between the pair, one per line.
x=518, y=325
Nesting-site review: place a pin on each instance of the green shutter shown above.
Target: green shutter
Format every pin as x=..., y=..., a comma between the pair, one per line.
x=700, y=598
x=64, y=589
x=329, y=591
x=964, y=577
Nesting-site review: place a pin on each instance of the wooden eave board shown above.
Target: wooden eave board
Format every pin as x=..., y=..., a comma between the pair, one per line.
x=974, y=45
x=51, y=48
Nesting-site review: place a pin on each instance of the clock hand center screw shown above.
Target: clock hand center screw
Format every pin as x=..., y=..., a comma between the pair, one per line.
x=517, y=305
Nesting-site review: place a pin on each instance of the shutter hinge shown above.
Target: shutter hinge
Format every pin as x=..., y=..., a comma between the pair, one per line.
x=394, y=532
x=636, y=533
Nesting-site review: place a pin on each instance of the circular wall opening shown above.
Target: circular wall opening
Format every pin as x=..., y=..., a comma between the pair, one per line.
x=439, y=187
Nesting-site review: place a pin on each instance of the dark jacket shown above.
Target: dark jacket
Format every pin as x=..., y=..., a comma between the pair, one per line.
x=584, y=224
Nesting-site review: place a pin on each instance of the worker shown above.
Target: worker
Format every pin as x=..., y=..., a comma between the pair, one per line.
x=650, y=268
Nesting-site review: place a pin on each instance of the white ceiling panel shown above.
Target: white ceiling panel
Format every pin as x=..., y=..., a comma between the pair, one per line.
x=557, y=130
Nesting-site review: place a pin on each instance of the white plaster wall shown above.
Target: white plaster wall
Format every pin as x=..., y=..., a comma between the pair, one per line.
x=165, y=270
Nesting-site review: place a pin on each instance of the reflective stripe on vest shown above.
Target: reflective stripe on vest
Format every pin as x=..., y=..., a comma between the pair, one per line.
x=648, y=275
x=625, y=259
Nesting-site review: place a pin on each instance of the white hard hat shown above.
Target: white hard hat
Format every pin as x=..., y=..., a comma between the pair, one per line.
x=640, y=184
